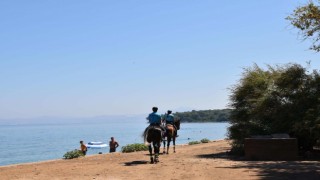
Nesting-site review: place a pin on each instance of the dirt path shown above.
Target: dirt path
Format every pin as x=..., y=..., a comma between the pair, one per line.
x=202, y=161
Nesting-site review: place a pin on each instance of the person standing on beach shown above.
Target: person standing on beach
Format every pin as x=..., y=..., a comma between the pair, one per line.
x=113, y=145
x=83, y=148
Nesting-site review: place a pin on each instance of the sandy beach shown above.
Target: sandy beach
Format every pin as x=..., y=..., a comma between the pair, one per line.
x=201, y=161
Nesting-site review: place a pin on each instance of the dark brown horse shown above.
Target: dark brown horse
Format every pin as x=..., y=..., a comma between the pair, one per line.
x=171, y=135
x=152, y=137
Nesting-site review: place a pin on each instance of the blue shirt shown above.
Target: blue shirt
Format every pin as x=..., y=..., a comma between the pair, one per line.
x=169, y=119
x=154, y=118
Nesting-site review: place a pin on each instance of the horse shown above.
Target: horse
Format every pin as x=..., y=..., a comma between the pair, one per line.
x=152, y=137
x=171, y=134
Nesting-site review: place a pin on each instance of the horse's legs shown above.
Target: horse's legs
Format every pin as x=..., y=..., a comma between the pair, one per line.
x=174, y=143
x=164, y=147
x=156, y=146
x=169, y=140
x=174, y=140
x=150, y=151
x=170, y=136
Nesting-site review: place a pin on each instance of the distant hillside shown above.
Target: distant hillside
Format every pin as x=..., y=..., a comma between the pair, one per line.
x=218, y=115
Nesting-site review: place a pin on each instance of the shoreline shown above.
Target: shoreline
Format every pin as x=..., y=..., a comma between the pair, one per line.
x=87, y=156
x=38, y=151
x=50, y=160
x=199, y=161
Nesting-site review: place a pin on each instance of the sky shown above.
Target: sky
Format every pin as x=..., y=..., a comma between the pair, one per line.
x=81, y=58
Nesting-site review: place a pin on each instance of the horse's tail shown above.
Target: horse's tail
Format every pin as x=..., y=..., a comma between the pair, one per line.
x=145, y=136
x=146, y=143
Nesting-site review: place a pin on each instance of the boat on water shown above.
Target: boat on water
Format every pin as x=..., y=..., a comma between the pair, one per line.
x=96, y=145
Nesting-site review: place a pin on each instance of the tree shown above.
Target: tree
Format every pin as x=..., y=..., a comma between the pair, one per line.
x=307, y=19
x=217, y=115
x=281, y=99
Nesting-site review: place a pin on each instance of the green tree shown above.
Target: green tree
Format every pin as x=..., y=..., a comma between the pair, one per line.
x=277, y=100
x=217, y=115
x=307, y=19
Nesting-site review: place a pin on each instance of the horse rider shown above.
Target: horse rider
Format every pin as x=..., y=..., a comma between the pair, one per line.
x=155, y=119
x=169, y=119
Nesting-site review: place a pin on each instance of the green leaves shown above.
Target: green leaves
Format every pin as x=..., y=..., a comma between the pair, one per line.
x=194, y=142
x=204, y=140
x=134, y=147
x=307, y=19
x=73, y=154
x=204, y=115
x=281, y=99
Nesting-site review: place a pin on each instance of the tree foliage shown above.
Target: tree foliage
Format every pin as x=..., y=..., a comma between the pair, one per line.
x=73, y=154
x=204, y=115
x=307, y=19
x=281, y=99
x=134, y=147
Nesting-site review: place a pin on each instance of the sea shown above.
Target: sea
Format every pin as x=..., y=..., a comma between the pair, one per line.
x=34, y=142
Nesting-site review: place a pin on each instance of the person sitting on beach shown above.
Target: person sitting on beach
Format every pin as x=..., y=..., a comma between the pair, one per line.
x=113, y=145
x=83, y=148
x=169, y=119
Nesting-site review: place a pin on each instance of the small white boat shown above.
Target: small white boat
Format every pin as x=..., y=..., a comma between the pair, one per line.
x=96, y=145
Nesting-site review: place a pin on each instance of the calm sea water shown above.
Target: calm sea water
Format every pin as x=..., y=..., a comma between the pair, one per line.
x=39, y=142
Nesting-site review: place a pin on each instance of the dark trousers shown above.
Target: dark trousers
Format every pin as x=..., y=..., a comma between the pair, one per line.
x=112, y=150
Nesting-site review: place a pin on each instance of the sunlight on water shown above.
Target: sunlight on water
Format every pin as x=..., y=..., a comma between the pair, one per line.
x=32, y=143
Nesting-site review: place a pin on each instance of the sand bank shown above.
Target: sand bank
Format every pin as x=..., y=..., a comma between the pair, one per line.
x=201, y=161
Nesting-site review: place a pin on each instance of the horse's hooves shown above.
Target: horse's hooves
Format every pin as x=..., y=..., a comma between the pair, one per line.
x=174, y=151
x=167, y=152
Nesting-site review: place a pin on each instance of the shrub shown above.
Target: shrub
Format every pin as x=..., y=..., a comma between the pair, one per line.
x=134, y=147
x=194, y=142
x=73, y=154
x=205, y=140
x=237, y=149
x=280, y=99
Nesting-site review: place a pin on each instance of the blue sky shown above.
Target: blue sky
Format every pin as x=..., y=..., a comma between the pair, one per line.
x=80, y=58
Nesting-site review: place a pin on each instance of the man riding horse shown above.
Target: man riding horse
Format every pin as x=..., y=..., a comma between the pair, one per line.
x=172, y=126
x=154, y=118
x=169, y=119
x=152, y=134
